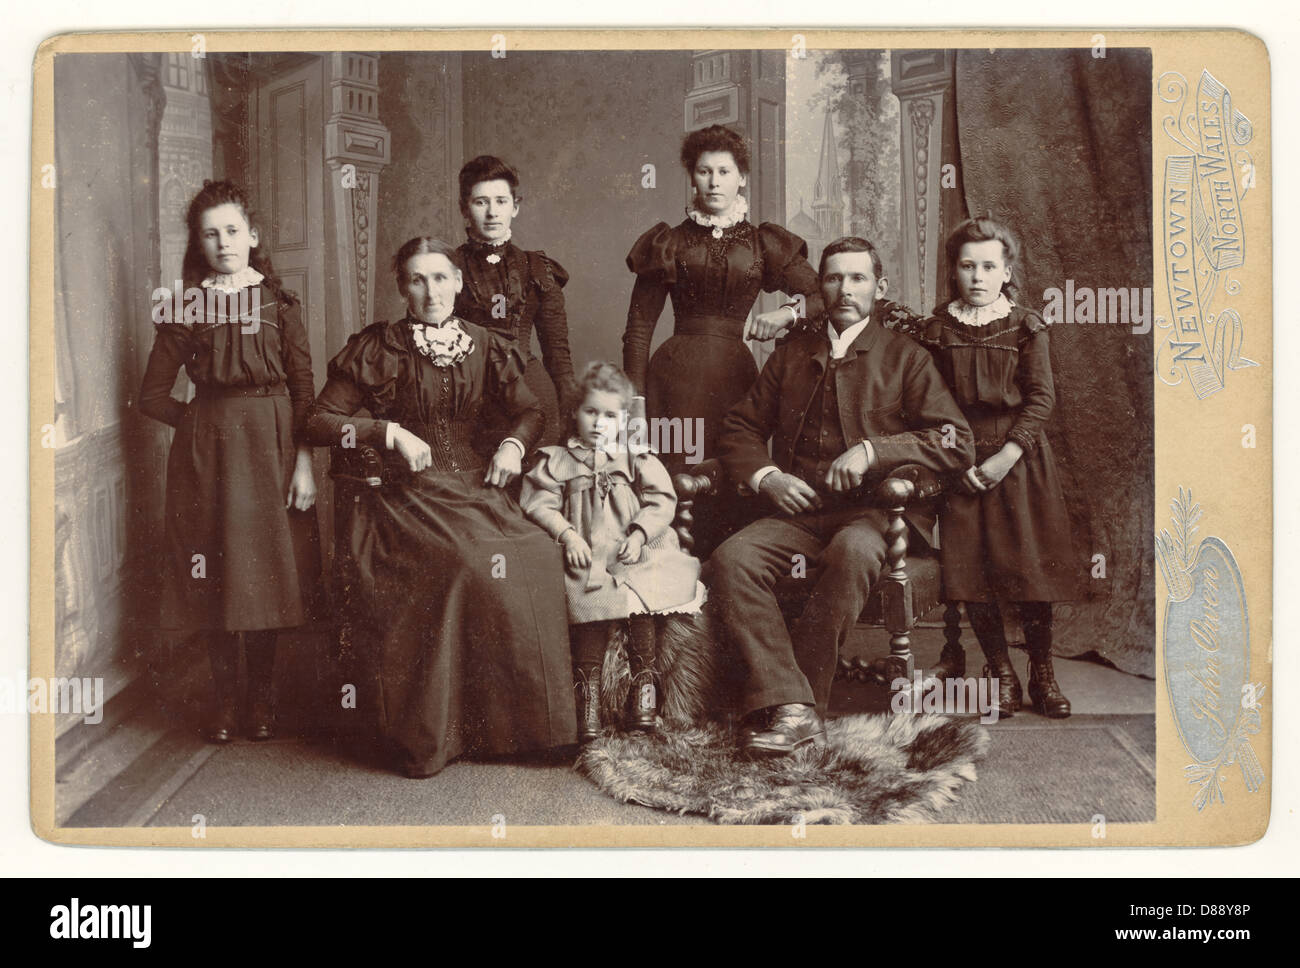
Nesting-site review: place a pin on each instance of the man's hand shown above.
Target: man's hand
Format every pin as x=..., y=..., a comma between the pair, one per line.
x=790, y=494
x=576, y=550
x=769, y=325
x=629, y=552
x=849, y=469
x=505, y=466
x=416, y=452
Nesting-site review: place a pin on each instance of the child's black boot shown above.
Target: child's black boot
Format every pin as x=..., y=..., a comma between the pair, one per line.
x=986, y=620
x=642, y=695
x=1044, y=693
x=586, y=693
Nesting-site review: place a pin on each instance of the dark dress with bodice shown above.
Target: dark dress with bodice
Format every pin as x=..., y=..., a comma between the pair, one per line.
x=705, y=367
x=1012, y=543
x=532, y=284
x=230, y=467
x=463, y=597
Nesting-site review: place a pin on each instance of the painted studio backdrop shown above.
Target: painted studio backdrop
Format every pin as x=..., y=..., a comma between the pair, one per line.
x=348, y=154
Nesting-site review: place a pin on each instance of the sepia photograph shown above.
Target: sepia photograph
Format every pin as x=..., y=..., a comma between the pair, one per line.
x=626, y=438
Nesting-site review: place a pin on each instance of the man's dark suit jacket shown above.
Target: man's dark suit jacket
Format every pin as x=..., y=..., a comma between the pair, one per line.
x=890, y=393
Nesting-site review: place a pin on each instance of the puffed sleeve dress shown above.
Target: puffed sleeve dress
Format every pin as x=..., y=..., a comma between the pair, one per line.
x=517, y=292
x=713, y=277
x=463, y=597
x=236, y=559
x=1012, y=543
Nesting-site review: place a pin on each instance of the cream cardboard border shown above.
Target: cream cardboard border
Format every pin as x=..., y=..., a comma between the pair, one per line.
x=1237, y=508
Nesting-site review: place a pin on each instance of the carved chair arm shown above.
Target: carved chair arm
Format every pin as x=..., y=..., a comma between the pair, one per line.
x=906, y=485
x=361, y=464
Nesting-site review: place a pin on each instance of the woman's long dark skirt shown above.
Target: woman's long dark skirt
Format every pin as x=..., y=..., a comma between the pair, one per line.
x=468, y=637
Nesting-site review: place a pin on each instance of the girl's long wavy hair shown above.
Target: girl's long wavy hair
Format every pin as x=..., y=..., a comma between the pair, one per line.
x=984, y=230
x=195, y=268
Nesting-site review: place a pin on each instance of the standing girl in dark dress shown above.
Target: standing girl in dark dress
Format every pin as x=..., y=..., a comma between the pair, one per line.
x=464, y=596
x=240, y=538
x=713, y=266
x=512, y=291
x=1005, y=530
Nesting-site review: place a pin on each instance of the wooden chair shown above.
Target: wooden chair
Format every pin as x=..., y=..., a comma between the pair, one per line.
x=908, y=589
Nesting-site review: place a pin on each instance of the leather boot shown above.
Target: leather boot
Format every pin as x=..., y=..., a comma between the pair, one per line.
x=259, y=651
x=223, y=656
x=586, y=692
x=642, y=697
x=951, y=664
x=986, y=621
x=790, y=726
x=1044, y=693
x=1010, y=696
x=642, y=701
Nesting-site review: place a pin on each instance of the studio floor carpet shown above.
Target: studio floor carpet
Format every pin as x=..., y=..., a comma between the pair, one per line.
x=1040, y=773
x=1035, y=771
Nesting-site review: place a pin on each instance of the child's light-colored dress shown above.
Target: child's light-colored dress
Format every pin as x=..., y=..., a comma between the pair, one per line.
x=602, y=496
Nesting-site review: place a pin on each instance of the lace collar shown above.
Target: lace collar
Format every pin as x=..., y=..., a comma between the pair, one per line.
x=587, y=454
x=233, y=281
x=968, y=315
x=739, y=211
x=444, y=345
x=488, y=247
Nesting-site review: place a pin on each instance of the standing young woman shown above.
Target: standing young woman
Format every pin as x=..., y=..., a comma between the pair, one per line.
x=511, y=291
x=712, y=265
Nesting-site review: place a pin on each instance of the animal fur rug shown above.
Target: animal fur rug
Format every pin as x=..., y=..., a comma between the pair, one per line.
x=874, y=769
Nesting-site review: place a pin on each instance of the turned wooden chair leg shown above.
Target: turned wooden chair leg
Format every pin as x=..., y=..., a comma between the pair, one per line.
x=899, y=618
x=684, y=524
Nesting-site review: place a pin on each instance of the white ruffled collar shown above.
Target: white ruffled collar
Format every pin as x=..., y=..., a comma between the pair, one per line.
x=739, y=211
x=444, y=345
x=233, y=281
x=969, y=315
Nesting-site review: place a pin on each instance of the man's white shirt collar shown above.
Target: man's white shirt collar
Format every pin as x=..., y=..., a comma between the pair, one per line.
x=840, y=343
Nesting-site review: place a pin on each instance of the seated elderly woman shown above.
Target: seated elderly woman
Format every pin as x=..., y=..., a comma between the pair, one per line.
x=464, y=596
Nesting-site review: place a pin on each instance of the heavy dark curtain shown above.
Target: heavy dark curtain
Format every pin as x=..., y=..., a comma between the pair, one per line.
x=1058, y=145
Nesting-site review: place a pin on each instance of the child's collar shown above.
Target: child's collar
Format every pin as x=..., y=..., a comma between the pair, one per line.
x=634, y=449
x=233, y=281
x=969, y=315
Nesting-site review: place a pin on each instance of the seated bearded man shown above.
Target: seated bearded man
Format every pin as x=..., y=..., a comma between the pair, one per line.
x=843, y=404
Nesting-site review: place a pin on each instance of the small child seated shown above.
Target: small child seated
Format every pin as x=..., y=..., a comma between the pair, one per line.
x=611, y=509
